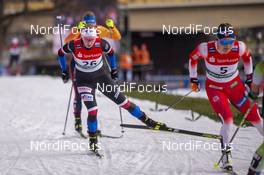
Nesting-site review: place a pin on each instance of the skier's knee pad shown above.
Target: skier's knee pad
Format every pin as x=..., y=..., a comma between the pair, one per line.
x=125, y=104
x=133, y=109
x=92, y=114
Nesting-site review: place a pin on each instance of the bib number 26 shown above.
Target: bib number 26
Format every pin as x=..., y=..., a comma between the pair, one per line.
x=89, y=63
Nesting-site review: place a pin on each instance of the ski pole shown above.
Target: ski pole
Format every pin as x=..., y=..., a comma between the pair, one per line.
x=59, y=17
x=68, y=107
x=177, y=102
x=69, y=102
x=120, y=110
x=262, y=113
x=121, y=120
x=235, y=133
x=156, y=102
x=67, y=113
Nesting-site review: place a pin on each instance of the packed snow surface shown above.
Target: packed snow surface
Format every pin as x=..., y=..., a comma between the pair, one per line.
x=32, y=117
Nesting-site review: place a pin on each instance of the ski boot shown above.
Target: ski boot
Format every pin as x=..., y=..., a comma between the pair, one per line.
x=257, y=162
x=252, y=172
x=226, y=161
x=152, y=123
x=99, y=133
x=78, y=124
x=93, y=141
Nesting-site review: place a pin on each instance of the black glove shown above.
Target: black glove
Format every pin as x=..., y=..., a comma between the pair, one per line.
x=248, y=81
x=253, y=95
x=114, y=74
x=195, y=84
x=65, y=76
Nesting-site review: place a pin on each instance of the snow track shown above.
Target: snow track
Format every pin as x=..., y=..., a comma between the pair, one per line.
x=33, y=109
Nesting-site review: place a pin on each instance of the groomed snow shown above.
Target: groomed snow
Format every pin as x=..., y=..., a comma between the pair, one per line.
x=33, y=110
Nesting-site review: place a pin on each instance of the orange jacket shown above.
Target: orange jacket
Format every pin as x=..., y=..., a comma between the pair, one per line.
x=136, y=57
x=103, y=33
x=145, y=57
x=125, y=61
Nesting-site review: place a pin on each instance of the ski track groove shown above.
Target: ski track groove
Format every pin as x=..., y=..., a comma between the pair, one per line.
x=42, y=165
x=147, y=161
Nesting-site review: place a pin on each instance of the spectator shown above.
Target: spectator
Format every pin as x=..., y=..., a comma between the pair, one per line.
x=136, y=63
x=146, y=64
x=14, y=51
x=145, y=56
x=126, y=66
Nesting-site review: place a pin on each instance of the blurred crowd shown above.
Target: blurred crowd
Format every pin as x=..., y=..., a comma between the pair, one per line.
x=136, y=65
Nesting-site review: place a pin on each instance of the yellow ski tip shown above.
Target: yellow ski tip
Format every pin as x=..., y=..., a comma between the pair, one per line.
x=215, y=165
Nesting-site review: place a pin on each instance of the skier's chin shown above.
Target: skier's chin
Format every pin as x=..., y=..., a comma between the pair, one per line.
x=88, y=46
x=225, y=51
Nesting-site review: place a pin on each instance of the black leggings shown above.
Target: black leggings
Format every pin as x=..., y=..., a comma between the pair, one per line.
x=87, y=83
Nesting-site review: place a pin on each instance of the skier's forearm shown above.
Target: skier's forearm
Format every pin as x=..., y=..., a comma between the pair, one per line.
x=193, y=68
x=61, y=57
x=194, y=56
x=112, y=33
x=248, y=65
x=106, y=47
x=116, y=34
x=67, y=48
x=247, y=59
x=62, y=62
x=112, y=60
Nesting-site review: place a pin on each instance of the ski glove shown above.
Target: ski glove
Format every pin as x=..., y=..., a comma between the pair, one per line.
x=195, y=84
x=82, y=25
x=253, y=95
x=248, y=81
x=109, y=23
x=114, y=74
x=65, y=76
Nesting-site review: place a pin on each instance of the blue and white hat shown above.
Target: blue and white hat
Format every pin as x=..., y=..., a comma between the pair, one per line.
x=225, y=30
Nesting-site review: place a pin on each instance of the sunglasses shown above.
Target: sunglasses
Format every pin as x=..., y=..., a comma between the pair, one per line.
x=226, y=41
